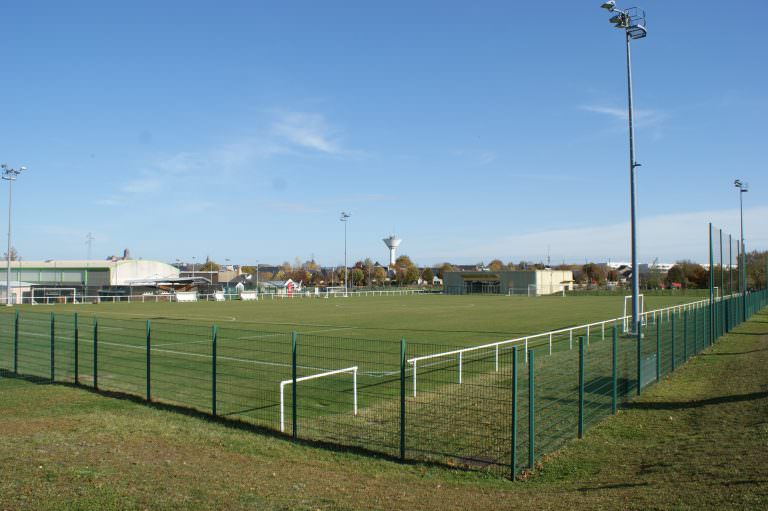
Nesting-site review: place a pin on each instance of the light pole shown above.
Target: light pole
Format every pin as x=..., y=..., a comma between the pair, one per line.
x=743, y=188
x=632, y=21
x=344, y=218
x=10, y=175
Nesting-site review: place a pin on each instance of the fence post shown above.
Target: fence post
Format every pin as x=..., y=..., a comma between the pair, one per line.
x=696, y=320
x=293, y=386
x=402, y=398
x=77, y=352
x=53, y=348
x=639, y=355
x=16, y=344
x=214, y=335
x=96, y=354
x=658, y=351
x=673, y=342
x=149, y=364
x=614, y=385
x=685, y=336
x=581, y=387
x=531, y=416
x=513, y=461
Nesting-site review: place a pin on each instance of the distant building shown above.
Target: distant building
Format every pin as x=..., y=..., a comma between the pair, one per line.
x=90, y=277
x=518, y=282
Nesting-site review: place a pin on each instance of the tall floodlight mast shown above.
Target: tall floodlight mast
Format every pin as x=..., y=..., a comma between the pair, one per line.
x=10, y=175
x=344, y=217
x=743, y=188
x=632, y=21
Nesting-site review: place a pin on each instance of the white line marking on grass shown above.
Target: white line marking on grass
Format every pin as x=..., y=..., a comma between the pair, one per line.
x=180, y=342
x=261, y=336
x=329, y=330
x=159, y=316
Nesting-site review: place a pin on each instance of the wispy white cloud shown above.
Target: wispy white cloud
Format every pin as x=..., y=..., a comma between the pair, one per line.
x=642, y=116
x=308, y=131
x=146, y=184
x=283, y=133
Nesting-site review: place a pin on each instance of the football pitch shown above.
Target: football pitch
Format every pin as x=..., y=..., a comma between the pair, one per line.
x=165, y=352
x=448, y=320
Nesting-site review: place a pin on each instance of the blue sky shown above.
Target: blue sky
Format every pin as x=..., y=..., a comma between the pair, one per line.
x=473, y=130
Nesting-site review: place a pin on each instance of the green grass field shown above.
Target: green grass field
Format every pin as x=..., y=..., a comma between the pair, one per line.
x=695, y=441
x=254, y=354
x=446, y=320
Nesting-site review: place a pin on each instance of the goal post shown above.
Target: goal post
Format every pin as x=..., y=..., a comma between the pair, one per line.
x=627, y=316
x=49, y=295
x=283, y=384
x=335, y=291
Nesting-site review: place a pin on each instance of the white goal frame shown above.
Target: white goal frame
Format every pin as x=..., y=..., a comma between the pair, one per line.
x=336, y=291
x=626, y=327
x=46, y=300
x=283, y=383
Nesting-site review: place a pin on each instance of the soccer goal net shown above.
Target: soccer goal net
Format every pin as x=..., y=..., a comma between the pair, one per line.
x=627, y=316
x=54, y=295
x=335, y=291
x=186, y=296
x=523, y=291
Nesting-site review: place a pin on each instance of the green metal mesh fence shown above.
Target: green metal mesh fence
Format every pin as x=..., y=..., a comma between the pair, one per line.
x=498, y=407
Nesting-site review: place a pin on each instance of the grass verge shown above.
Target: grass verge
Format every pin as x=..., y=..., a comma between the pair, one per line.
x=697, y=440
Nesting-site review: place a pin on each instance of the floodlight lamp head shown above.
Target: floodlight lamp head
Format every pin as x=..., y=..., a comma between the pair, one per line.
x=619, y=20
x=22, y=168
x=737, y=183
x=609, y=5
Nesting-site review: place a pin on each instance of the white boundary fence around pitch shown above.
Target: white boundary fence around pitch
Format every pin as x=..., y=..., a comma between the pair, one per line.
x=217, y=296
x=458, y=354
x=283, y=383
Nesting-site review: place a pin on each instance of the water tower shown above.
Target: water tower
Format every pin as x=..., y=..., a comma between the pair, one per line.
x=392, y=243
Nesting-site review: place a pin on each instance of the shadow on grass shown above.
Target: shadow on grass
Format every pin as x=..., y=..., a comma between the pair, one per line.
x=241, y=425
x=681, y=405
x=721, y=353
x=617, y=486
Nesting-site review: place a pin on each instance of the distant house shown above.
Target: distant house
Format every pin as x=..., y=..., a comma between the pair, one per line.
x=280, y=287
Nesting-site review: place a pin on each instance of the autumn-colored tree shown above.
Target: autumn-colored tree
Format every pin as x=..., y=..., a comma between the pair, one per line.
x=444, y=268
x=495, y=265
x=379, y=275
x=209, y=266
x=357, y=277
x=688, y=275
x=427, y=275
x=594, y=273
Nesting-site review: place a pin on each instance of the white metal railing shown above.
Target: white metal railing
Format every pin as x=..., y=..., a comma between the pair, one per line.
x=526, y=340
x=216, y=296
x=283, y=383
